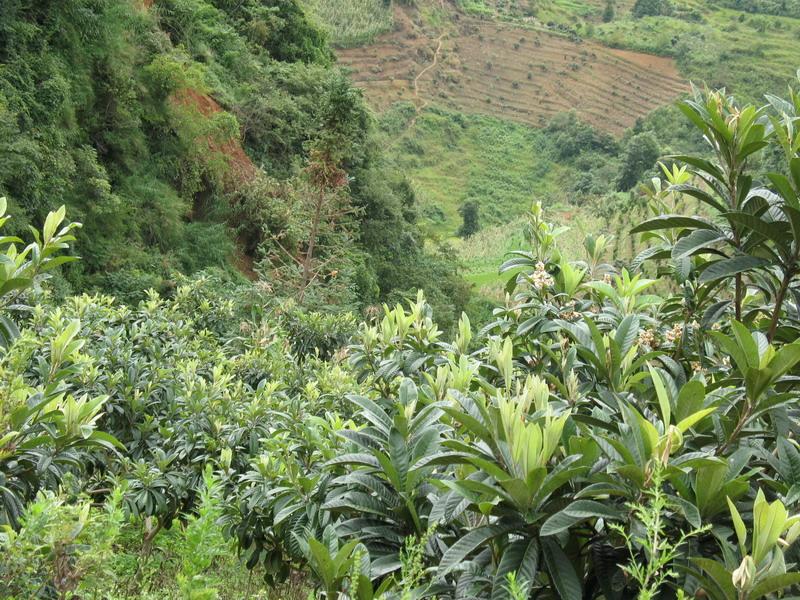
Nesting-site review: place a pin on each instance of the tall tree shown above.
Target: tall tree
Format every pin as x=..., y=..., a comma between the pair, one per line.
x=608, y=11
x=641, y=153
x=651, y=8
x=317, y=244
x=470, y=219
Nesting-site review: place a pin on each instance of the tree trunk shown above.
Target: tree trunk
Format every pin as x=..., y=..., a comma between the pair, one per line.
x=738, y=296
x=312, y=242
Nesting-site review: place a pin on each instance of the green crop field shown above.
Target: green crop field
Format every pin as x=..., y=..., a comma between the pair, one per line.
x=351, y=22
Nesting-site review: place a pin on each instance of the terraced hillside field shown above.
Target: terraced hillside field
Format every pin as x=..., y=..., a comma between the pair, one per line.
x=560, y=11
x=527, y=74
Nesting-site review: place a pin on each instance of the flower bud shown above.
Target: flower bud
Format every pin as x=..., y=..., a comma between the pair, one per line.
x=675, y=438
x=745, y=575
x=225, y=457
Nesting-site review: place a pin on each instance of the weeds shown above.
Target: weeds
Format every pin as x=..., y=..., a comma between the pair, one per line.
x=654, y=570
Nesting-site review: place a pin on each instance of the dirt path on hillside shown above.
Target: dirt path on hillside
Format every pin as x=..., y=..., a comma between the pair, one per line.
x=433, y=64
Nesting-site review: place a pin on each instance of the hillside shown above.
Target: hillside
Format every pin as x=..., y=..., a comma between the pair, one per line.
x=612, y=422
x=749, y=47
x=190, y=135
x=480, y=73
x=399, y=300
x=526, y=74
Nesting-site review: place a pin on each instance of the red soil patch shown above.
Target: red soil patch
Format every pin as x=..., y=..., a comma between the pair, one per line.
x=241, y=168
x=513, y=72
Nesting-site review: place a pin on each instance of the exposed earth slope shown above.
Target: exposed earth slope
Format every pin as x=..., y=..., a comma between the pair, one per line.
x=523, y=73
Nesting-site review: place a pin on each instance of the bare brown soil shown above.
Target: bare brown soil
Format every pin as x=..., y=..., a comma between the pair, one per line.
x=510, y=71
x=241, y=168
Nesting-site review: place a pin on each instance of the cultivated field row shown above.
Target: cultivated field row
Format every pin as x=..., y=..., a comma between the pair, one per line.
x=513, y=72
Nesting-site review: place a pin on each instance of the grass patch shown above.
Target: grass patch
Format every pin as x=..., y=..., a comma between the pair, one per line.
x=476, y=7
x=452, y=158
x=351, y=22
x=746, y=53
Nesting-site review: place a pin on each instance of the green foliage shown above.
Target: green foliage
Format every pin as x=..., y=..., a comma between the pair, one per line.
x=788, y=8
x=640, y=155
x=498, y=164
x=712, y=44
x=653, y=574
x=45, y=431
x=755, y=239
x=148, y=126
x=56, y=392
x=572, y=137
x=412, y=559
x=651, y=8
x=469, y=212
x=572, y=371
x=98, y=107
x=611, y=432
x=763, y=572
x=608, y=11
x=21, y=269
x=203, y=541
x=62, y=546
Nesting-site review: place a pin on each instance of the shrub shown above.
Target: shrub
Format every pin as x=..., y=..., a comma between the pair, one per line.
x=612, y=431
x=641, y=153
x=651, y=8
x=608, y=11
x=471, y=219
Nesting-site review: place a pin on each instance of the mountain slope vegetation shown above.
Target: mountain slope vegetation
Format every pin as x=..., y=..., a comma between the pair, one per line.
x=608, y=435
x=174, y=129
x=260, y=339
x=614, y=66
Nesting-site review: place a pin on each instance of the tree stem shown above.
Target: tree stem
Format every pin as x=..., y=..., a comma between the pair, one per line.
x=312, y=242
x=776, y=313
x=738, y=296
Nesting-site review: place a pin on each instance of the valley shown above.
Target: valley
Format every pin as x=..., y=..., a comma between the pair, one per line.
x=399, y=299
x=503, y=70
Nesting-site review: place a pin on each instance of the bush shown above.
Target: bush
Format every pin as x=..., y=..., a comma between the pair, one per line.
x=570, y=137
x=651, y=8
x=641, y=153
x=621, y=431
x=608, y=11
x=471, y=220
